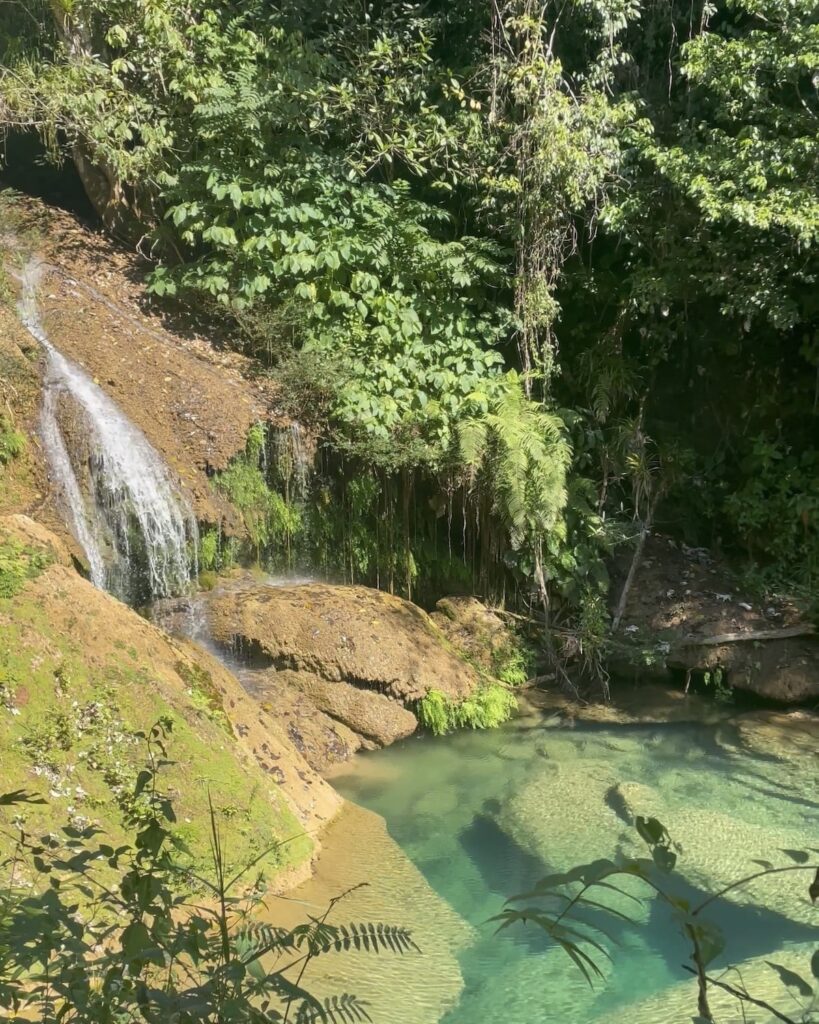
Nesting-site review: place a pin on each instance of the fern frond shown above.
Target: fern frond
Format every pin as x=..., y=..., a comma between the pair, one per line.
x=472, y=439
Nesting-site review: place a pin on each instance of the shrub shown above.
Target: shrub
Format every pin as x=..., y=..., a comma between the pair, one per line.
x=488, y=707
x=148, y=951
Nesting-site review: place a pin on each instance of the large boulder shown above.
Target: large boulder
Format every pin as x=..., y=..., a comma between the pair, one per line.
x=360, y=656
x=82, y=676
x=475, y=630
x=324, y=742
x=351, y=634
x=369, y=714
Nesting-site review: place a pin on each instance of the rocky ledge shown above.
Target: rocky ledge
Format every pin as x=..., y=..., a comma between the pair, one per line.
x=687, y=612
x=356, y=660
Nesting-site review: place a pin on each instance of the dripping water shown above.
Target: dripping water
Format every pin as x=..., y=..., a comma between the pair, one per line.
x=137, y=530
x=291, y=461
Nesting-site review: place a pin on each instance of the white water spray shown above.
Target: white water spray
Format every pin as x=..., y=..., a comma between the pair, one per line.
x=136, y=528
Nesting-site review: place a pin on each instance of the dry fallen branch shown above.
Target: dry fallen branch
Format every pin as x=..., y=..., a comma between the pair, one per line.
x=755, y=634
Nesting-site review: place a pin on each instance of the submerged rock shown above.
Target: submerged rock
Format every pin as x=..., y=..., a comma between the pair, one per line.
x=717, y=849
x=361, y=859
x=784, y=736
x=677, y=1004
x=564, y=815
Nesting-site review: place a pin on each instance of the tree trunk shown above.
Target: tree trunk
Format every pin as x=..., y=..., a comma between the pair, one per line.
x=99, y=179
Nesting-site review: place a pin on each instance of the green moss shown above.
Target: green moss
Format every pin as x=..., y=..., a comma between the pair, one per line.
x=488, y=707
x=205, y=693
x=18, y=564
x=270, y=521
x=72, y=729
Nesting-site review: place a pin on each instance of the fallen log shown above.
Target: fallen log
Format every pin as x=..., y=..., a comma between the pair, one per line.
x=784, y=633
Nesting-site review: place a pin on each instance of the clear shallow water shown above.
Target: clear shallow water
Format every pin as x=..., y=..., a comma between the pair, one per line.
x=484, y=815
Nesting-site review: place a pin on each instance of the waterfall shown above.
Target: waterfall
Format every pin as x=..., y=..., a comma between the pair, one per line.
x=121, y=504
x=292, y=463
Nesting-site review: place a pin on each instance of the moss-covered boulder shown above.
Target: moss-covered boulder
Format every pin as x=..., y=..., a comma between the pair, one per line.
x=477, y=631
x=82, y=676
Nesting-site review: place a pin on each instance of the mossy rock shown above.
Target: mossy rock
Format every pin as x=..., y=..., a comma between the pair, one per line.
x=83, y=678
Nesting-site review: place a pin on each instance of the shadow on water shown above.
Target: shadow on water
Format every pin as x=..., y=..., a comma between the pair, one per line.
x=459, y=807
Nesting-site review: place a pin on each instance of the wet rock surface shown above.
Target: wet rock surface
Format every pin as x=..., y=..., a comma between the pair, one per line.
x=350, y=634
x=355, y=657
x=368, y=713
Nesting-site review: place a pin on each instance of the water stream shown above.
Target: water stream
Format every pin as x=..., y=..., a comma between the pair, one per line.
x=119, y=499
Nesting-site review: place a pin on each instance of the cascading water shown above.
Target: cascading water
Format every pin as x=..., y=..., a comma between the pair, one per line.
x=292, y=463
x=136, y=528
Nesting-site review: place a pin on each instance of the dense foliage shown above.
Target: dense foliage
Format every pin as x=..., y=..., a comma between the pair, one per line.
x=534, y=270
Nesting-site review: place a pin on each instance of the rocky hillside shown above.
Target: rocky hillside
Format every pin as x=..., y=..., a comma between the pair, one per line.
x=687, y=615
x=82, y=678
x=193, y=400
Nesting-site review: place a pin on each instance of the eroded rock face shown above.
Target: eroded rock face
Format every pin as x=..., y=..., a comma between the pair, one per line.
x=473, y=628
x=360, y=657
x=194, y=403
x=350, y=634
x=368, y=713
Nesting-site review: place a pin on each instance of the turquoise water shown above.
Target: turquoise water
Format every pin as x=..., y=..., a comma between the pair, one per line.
x=484, y=815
